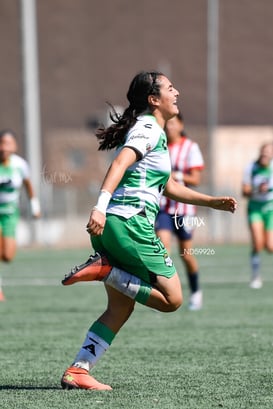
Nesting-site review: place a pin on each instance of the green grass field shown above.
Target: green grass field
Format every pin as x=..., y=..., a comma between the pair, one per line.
x=220, y=357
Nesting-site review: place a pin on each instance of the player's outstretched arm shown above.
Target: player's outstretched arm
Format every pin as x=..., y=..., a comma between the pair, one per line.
x=180, y=193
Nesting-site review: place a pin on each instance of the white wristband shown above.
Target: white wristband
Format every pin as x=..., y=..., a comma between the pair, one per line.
x=35, y=206
x=103, y=201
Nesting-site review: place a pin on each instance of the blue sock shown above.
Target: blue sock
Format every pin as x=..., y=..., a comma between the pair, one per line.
x=193, y=281
x=255, y=264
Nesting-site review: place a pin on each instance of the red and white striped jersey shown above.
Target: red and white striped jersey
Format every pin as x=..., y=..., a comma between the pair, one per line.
x=185, y=155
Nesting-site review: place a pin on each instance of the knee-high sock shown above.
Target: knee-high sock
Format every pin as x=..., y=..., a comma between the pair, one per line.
x=255, y=261
x=97, y=341
x=193, y=279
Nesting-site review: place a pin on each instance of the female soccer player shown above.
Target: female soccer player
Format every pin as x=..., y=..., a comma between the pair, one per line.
x=178, y=218
x=14, y=171
x=121, y=224
x=258, y=188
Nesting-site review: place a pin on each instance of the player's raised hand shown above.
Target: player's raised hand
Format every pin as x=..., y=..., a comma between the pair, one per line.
x=96, y=223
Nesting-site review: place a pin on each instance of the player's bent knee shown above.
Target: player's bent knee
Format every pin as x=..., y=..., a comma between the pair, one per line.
x=171, y=308
x=175, y=304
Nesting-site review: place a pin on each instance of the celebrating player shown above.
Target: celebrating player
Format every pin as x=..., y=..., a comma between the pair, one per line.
x=134, y=263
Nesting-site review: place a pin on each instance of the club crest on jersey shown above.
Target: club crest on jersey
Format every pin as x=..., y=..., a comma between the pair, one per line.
x=148, y=147
x=168, y=261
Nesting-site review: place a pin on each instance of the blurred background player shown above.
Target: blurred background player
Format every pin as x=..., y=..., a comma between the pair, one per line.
x=258, y=188
x=178, y=218
x=14, y=171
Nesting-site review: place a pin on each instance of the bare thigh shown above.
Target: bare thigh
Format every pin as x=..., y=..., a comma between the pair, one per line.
x=167, y=295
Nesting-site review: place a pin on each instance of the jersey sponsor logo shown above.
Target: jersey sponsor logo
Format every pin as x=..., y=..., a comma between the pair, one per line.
x=148, y=126
x=5, y=181
x=137, y=136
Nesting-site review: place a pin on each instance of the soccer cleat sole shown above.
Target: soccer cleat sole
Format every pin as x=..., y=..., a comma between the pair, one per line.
x=95, y=268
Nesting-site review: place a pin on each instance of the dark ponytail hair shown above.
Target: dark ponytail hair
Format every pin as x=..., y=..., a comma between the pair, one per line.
x=143, y=84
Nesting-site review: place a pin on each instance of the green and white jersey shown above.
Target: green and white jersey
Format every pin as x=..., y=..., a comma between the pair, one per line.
x=143, y=183
x=254, y=175
x=11, y=179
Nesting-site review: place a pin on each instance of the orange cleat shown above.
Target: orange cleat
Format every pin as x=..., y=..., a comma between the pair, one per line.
x=78, y=378
x=95, y=268
x=2, y=297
